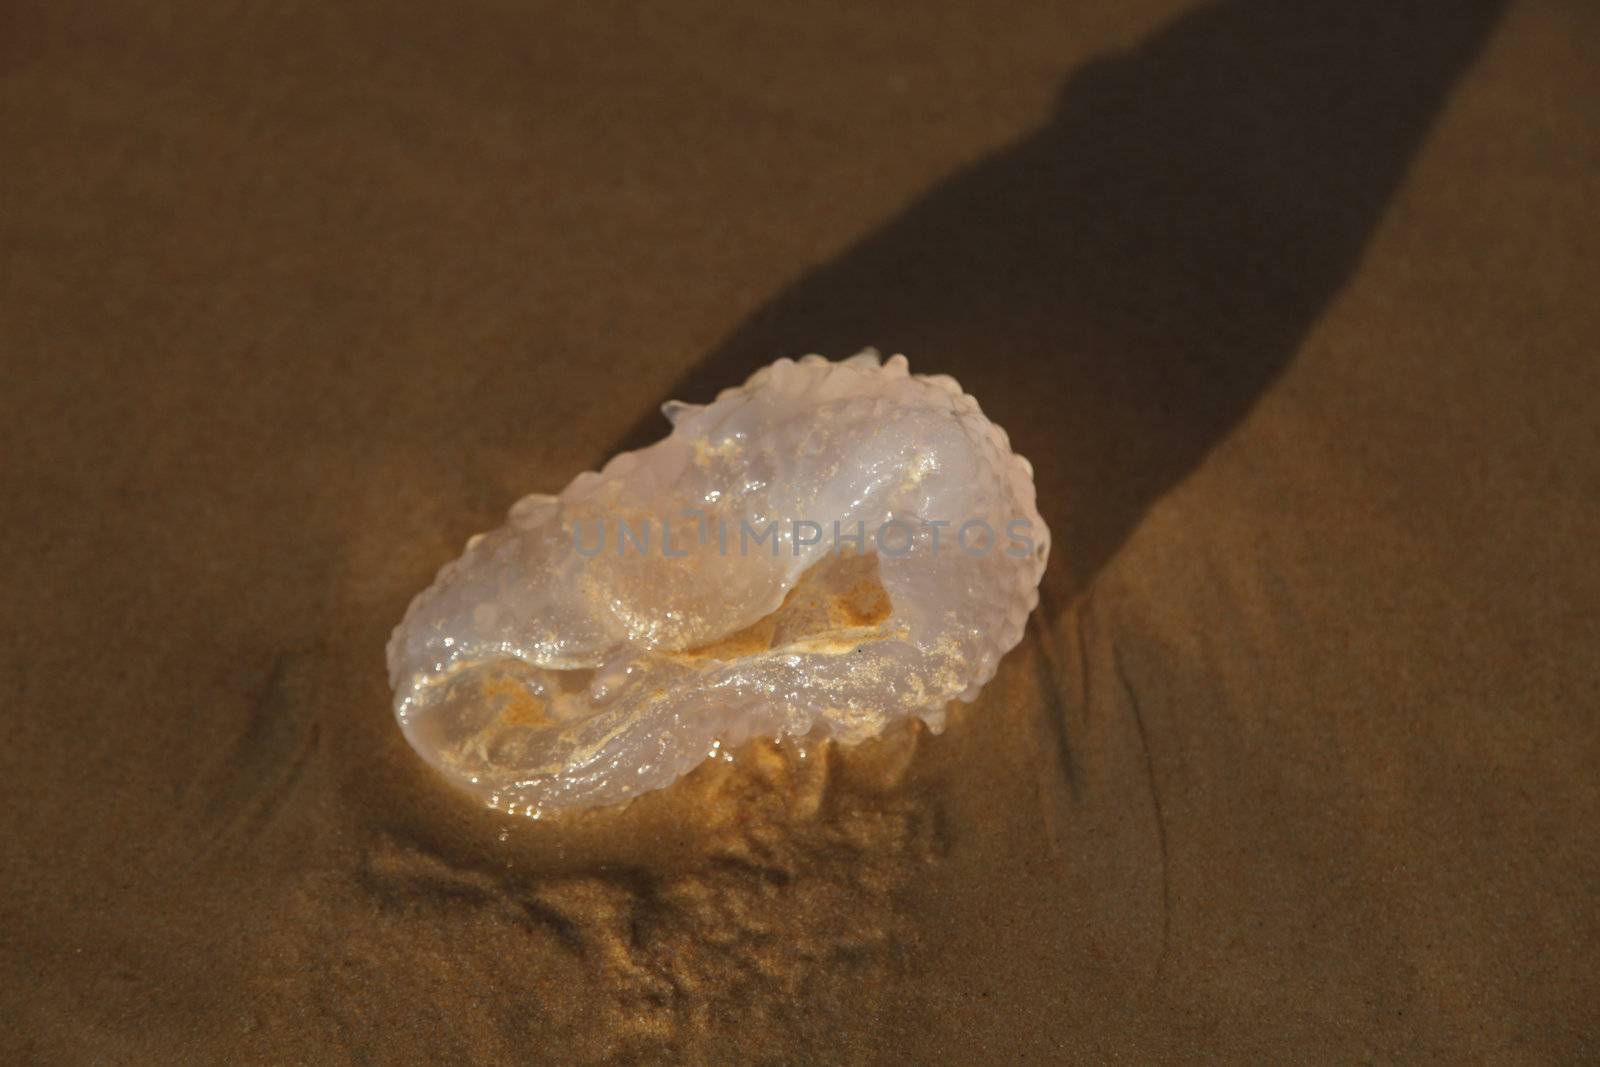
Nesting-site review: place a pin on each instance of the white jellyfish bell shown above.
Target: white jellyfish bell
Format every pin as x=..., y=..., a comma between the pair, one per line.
x=819, y=552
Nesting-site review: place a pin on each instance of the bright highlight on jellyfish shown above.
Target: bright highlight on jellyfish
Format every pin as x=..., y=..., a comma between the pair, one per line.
x=820, y=552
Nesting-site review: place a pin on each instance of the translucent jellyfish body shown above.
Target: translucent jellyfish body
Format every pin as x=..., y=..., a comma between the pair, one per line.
x=817, y=553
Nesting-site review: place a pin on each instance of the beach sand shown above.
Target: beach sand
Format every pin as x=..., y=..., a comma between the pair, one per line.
x=1291, y=306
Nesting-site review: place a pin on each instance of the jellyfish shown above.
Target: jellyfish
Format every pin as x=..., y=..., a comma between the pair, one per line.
x=821, y=552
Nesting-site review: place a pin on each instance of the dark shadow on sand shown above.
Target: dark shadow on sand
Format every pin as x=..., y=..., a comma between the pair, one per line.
x=1118, y=287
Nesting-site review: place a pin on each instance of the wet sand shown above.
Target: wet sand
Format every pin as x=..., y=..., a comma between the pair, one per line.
x=1292, y=311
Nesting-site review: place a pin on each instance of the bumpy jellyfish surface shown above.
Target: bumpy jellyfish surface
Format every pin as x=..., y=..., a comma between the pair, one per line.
x=829, y=548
